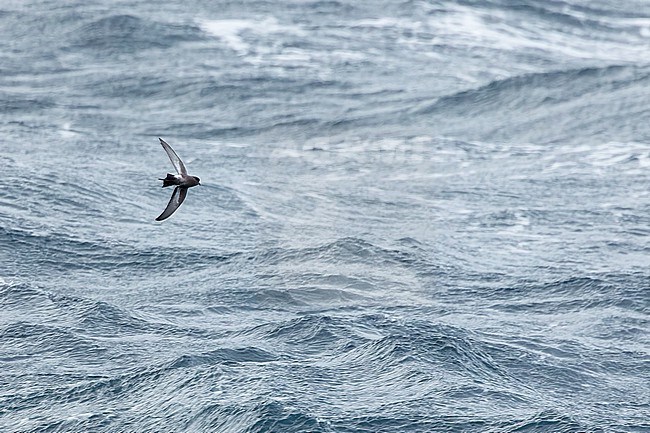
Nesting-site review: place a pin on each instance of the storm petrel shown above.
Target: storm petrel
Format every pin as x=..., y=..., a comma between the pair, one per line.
x=182, y=180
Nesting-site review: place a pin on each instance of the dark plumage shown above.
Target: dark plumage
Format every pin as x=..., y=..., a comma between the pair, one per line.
x=182, y=181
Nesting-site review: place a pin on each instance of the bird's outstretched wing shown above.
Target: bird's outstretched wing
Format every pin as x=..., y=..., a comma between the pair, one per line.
x=175, y=159
x=178, y=196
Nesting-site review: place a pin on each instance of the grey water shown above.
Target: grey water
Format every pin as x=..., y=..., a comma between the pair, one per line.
x=416, y=216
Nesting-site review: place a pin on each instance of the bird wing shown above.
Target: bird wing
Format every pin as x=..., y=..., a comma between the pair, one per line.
x=173, y=157
x=178, y=196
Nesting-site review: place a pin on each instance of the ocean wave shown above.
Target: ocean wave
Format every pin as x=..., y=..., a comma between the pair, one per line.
x=225, y=356
x=116, y=34
x=572, y=294
x=232, y=31
x=523, y=92
x=28, y=340
x=344, y=250
x=59, y=251
x=16, y=103
x=565, y=99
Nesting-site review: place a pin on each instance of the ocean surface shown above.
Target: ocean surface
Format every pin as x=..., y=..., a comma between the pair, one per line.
x=419, y=216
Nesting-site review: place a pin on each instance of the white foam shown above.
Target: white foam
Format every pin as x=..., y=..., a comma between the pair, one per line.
x=66, y=131
x=230, y=31
x=629, y=158
x=388, y=22
x=472, y=27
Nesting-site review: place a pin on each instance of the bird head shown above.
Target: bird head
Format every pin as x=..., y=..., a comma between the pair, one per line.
x=197, y=180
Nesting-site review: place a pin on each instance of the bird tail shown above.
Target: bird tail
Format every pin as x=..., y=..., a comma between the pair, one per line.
x=170, y=180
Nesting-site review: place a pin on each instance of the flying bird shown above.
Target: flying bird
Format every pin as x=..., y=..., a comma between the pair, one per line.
x=182, y=180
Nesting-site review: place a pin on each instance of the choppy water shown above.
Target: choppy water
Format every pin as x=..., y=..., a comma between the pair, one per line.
x=416, y=216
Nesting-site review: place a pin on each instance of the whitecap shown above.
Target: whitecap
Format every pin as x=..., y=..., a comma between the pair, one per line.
x=230, y=31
